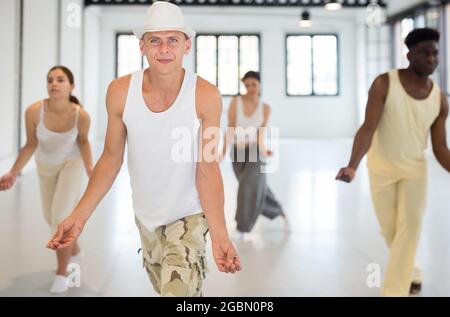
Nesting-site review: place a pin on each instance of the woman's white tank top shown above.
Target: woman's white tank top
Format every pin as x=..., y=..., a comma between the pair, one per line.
x=56, y=147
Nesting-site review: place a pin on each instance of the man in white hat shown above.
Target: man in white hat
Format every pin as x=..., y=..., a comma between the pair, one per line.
x=176, y=198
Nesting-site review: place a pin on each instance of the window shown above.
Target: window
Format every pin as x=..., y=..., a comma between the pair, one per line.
x=419, y=21
x=312, y=65
x=378, y=52
x=129, y=58
x=224, y=59
x=432, y=17
x=433, y=20
x=407, y=25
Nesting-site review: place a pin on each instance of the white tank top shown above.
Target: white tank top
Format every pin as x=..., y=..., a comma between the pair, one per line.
x=246, y=130
x=163, y=177
x=56, y=147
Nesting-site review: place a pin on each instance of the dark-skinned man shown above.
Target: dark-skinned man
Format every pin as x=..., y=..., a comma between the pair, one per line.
x=404, y=106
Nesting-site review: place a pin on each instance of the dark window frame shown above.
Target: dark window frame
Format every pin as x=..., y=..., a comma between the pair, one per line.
x=217, y=35
x=338, y=66
x=116, y=49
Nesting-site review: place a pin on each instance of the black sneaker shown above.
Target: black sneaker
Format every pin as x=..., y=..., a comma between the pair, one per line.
x=415, y=288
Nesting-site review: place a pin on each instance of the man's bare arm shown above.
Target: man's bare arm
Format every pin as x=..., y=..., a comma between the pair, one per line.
x=363, y=139
x=209, y=178
x=439, y=136
x=108, y=166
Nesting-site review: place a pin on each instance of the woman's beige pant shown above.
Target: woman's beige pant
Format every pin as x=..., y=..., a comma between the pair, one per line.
x=61, y=188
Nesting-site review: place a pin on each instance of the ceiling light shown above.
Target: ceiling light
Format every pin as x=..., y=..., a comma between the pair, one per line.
x=333, y=5
x=305, y=20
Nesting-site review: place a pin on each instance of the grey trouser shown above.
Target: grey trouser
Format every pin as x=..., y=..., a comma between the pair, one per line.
x=254, y=196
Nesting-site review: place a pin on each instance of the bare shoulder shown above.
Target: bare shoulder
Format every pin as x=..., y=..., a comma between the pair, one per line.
x=34, y=107
x=84, y=116
x=208, y=98
x=32, y=112
x=119, y=86
x=381, y=83
x=117, y=93
x=206, y=90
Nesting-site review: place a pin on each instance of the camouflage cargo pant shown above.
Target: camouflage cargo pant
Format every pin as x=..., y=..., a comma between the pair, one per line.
x=174, y=256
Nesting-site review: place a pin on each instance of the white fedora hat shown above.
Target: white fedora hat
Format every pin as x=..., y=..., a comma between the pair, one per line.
x=163, y=16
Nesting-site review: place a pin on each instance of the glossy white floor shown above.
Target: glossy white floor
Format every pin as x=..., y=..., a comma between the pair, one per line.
x=335, y=236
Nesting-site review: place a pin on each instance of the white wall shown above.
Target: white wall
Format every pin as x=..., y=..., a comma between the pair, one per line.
x=369, y=51
x=304, y=117
x=71, y=40
x=40, y=47
x=45, y=44
x=9, y=19
x=39, y=50
x=78, y=27
x=48, y=43
x=361, y=72
x=93, y=101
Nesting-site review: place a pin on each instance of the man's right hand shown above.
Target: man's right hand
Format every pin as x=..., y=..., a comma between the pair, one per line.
x=7, y=181
x=226, y=257
x=346, y=174
x=68, y=232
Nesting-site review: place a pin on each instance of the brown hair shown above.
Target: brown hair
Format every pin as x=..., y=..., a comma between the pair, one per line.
x=252, y=74
x=69, y=75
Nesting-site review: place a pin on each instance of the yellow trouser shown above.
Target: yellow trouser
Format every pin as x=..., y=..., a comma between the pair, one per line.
x=399, y=204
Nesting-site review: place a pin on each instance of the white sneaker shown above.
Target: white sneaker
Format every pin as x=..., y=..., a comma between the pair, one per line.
x=77, y=257
x=60, y=284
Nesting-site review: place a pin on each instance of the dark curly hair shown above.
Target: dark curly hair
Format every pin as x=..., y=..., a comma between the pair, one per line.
x=421, y=35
